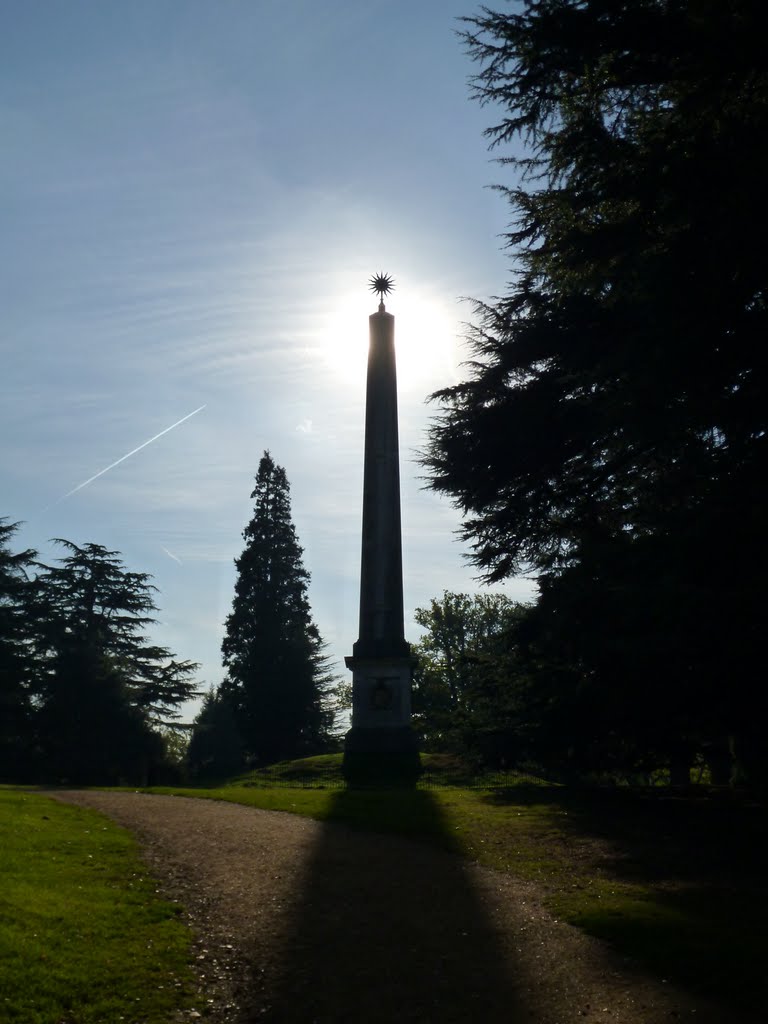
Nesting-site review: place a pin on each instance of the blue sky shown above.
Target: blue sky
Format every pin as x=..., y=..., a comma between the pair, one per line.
x=193, y=196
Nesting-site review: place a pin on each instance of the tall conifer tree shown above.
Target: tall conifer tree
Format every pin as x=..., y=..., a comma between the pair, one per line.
x=101, y=684
x=277, y=674
x=16, y=660
x=215, y=746
x=611, y=431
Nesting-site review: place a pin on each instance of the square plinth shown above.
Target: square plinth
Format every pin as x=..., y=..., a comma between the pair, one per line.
x=381, y=748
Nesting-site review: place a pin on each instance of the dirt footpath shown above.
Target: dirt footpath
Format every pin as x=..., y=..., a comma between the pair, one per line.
x=298, y=922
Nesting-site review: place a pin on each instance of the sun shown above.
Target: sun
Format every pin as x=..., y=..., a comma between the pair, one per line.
x=426, y=337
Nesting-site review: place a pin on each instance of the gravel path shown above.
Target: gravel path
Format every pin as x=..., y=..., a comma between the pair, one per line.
x=298, y=922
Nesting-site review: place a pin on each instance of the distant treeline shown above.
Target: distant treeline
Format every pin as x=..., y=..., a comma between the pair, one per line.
x=87, y=698
x=508, y=685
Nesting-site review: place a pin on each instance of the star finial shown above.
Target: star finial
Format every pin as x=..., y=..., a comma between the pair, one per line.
x=382, y=284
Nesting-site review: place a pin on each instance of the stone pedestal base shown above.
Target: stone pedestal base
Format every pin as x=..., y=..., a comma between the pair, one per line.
x=381, y=758
x=381, y=749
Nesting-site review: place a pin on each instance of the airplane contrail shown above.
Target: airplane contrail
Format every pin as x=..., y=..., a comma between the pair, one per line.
x=122, y=459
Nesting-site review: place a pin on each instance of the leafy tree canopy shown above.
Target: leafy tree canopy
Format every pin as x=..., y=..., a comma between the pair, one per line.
x=468, y=678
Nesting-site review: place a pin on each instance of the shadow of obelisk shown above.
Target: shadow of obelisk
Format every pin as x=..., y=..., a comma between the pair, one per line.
x=380, y=748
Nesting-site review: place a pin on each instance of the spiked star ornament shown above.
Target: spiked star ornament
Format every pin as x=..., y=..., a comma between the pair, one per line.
x=382, y=284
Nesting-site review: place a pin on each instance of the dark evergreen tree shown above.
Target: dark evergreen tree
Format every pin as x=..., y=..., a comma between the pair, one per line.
x=17, y=668
x=216, y=747
x=277, y=673
x=103, y=685
x=612, y=432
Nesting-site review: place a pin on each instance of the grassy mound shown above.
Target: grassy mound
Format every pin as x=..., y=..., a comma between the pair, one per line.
x=325, y=771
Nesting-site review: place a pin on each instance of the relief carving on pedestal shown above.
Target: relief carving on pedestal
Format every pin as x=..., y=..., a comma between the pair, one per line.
x=383, y=694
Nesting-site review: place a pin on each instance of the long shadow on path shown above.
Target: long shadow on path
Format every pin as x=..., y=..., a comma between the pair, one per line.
x=388, y=930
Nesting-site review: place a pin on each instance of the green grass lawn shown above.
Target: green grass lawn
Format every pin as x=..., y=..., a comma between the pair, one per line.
x=675, y=882
x=84, y=939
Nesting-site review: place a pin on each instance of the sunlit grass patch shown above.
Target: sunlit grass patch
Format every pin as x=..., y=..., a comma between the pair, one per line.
x=439, y=771
x=319, y=771
x=84, y=939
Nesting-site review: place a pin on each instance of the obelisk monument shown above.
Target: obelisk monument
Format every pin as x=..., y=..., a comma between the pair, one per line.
x=381, y=746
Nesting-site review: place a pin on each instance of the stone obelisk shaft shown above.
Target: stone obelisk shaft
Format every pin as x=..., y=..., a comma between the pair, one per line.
x=380, y=747
x=381, y=632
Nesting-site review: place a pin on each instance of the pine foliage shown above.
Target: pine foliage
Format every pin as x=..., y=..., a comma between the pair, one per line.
x=102, y=686
x=619, y=388
x=216, y=746
x=84, y=694
x=16, y=658
x=611, y=435
x=277, y=674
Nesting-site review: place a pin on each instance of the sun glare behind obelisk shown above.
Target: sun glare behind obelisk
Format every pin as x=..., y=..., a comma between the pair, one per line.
x=428, y=349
